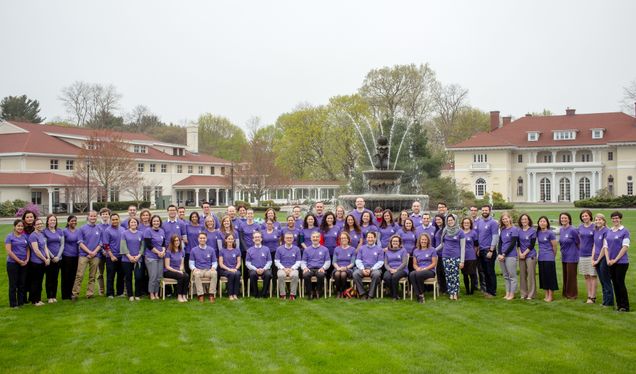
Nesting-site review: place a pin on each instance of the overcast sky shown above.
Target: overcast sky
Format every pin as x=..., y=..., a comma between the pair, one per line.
x=261, y=58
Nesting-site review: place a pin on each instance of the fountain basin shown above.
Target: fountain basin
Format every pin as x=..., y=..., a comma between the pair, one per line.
x=395, y=202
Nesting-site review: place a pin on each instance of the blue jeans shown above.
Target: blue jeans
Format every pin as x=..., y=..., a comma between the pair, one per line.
x=606, y=282
x=488, y=264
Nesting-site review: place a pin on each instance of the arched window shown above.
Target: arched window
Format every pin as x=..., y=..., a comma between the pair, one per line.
x=584, y=188
x=564, y=189
x=545, y=188
x=519, y=186
x=480, y=187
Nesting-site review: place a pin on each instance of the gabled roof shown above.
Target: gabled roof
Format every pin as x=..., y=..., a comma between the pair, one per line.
x=34, y=179
x=203, y=180
x=619, y=128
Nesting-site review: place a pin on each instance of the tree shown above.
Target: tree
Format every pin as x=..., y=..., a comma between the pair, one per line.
x=112, y=166
x=171, y=134
x=629, y=97
x=84, y=101
x=20, y=108
x=220, y=137
x=106, y=120
x=466, y=122
x=450, y=101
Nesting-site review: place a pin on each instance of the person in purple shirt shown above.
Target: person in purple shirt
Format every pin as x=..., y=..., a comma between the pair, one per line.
x=132, y=213
x=315, y=262
x=207, y=212
x=508, y=253
x=230, y=265
x=425, y=227
x=488, y=238
x=247, y=229
x=193, y=228
x=617, y=242
x=547, y=245
x=369, y=261
x=409, y=238
x=416, y=215
x=424, y=265
x=132, y=263
x=403, y=216
x=469, y=271
x=396, y=259
x=16, y=245
x=111, y=238
x=270, y=236
x=90, y=245
x=440, y=224
x=173, y=267
x=599, y=259
x=309, y=227
x=320, y=213
x=270, y=215
x=453, y=247
x=227, y=228
x=329, y=231
x=297, y=214
x=173, y=225
x=367, y=224
x=287, y=260
x=54, y=248
x=104, y=215
x=569, y=242
x=258, y=261
x=352, y=228
x=586, y=269
x=291, y=228
x=39, y=261
x=70, y=256
x=387, y=228
x=527, y=257
x=357, y=212
x=155, y=243
x=340, y=216
x=203, y=264
x=343, y=261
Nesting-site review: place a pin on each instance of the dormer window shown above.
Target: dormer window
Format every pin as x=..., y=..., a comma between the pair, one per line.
x=177, y=152
x=139, y=148
x=565, y=135
x=597, y=133
x=533, y=136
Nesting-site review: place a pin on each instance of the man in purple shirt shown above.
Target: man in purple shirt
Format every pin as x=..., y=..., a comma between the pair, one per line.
x=132, y=213
x=90, y=244
x=357, y=212
x=208, y=212
x=369, y=261
x=203, y=264
x=104, y=215
x=416, y=215
x=315, y=262
x=488, y=236
x=426, y=227
x=298, y=219
x=320, y=210
x=259, y=261
x=287, y=261
x=111, y=239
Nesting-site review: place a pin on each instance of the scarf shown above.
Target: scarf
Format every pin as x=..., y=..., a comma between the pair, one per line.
x=451, y=230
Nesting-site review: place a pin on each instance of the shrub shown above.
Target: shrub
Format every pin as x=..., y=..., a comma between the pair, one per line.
x=30, y=207
x=7, y=209
x=244, y=203
x=121, y=205
x=623, y=201
x=498, y=202
x=17, y=203
x=268, y=204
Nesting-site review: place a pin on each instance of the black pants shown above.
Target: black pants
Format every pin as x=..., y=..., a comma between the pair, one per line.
x=233, y=281
x=68, y=267
x=114, y=268
x=36, y=275
x=482, y=276
x=320, y=282
x=470, y=276
x=182, y=281
x=393, y=281
x=417, y=279
x=267, y=276
x=17, y=283
x=341, y=279
x=52, y=272
x=606, y=282
x=133, y=270
x=617, y=272
x=488, y=264
x=441, y=274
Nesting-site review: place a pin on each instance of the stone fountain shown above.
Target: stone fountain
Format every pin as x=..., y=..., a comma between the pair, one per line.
x=383, y=185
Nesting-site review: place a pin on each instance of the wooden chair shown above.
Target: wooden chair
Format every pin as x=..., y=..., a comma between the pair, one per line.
x=332, y=282
x=260, y=279
x=204, y=280
x=403, y=282
x=222, y=280
x=164, y=282
x=289, y=280
x=377, y=289
x=430, y=282
x=313, y=280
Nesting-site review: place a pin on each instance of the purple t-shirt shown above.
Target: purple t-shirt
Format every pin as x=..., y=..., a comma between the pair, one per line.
x=230, y=257
x=370, y=255
x=409, y=240
x=509, y=236
x=175, y=259
x=344, y=256
x=171, y=228
x=367, y=229
x=486, y=229
x=471, y=239
x=192, y=233
x=258, y=256
x=586, y=236
x=287, y=256
x=437, y=239
x=417, y=219
x=330, y=238
x=247, y=230
x=355, y=238
x=358, y=215
x=39, y=238
x=394, y=258
x=430, y=230
x=307, y=235
x=525, y=239
x=212, y=240
x=295, y=231
x=452, y=246
x=544, y=241
x=53, y=240
x=340, y=223
x=569, y=242
x=71, y=247
x=19, y=245
x=112, y=236
x=599, y=239
x=133, y=242
x=271, y=240
x=203, y=258
x=158, y=240
x=386, y=234
x=424, y=257
x=91, y=237
x=315, y=257
x=615, y=242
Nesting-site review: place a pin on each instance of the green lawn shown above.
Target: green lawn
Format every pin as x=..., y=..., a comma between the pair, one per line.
x=472, y=335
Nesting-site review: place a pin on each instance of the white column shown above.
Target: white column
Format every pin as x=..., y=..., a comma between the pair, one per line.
x=207, y=194
x=593, y=184
x=227, y=197
x=528, y=187
x=196, y=197
x=600, y=179
x=554, y=154
x=554, y=188
x=573, y=155
x=50, y=191
x=573, y=186
x=216, y=202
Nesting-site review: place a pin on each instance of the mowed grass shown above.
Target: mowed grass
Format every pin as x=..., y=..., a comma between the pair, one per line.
x=471, y=335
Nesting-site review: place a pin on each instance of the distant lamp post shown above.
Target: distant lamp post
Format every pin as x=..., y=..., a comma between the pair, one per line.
x=232, y=178
x=88, y=184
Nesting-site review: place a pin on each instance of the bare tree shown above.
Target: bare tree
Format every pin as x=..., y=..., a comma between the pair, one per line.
x=78, y=190
x=629, y=97
x=450, y=101
x=253, y=124
x=84, y=101
x=137, y=186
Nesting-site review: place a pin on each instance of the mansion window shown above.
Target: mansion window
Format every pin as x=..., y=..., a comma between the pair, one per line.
x=584, y=188
x=610, y=156
x=114, y=194
x=630, y=186
x=480, y=158
x=153, y=168
x=564, y=189
x=610, y=184
x=140, y=167
x=190, y=169
x=70, y=164
x=164, y=168
x=147, y=191
x=200, y=169
x=139, y=148
x=480, y=187
x=545, y=189
x=222, y=170
x=520, y=158
x=158, y=192
x=177, y=151
x=54, y=164
x=179, y=169
x=547, y=158
x=564, y=135
x=519, y=186
x=586, y=157
x=211, y=170
x=36, y=197
x=566, y=157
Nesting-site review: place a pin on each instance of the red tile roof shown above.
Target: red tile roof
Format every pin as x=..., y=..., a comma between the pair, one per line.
x=31, y=179
x=311, y=183
x=619, y=127
x=204, y=180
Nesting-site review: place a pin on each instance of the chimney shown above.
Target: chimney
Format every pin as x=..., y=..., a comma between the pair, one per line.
x=506, y=120
x=494, y=120
x=192, y=138
x=528, y=114
x=569, y=112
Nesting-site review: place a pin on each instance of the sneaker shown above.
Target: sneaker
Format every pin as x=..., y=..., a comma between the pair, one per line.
x=50, y=301
x=137, y=298
x=39, y=303
x=622, y=310
x=131, y=299
x=283, y=297
x=111, y=297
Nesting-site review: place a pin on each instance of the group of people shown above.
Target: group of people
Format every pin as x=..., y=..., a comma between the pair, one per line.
x=349, y=249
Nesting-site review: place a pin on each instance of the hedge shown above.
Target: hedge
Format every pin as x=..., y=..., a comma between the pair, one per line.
x=623, y=201
x=121, y=205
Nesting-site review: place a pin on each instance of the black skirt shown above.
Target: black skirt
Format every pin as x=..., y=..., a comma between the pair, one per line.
x=548, y=276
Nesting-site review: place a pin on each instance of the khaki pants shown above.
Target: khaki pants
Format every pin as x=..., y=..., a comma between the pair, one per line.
x=82, y=263
x=198, y=275
x=527, y=273
x=293, y=285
